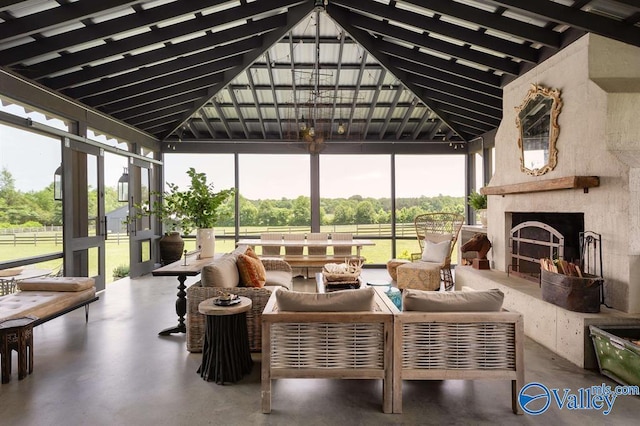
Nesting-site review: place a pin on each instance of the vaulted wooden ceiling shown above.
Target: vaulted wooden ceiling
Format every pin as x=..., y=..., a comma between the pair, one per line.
x=219, y=71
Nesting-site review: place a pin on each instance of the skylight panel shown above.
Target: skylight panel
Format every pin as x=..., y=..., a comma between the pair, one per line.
x=488, y=51
x=156, y=3
x=447, y=39
x=84, y=46
x=472, y=65
x=63, y=29
x=220, y=7
x=38, y=59
x=479, y=4
x=176, y=20
x=435, y=53
x=527, y=18
x=415, y=9
x=26, y=8
x=108, y=16
x=504, y=36
x=131, y=33
x=459, y=22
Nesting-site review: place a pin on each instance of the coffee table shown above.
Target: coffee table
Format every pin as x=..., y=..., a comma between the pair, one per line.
x=321, y=287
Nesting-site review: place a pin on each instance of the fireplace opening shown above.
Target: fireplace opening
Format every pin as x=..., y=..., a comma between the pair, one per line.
x=535, y=235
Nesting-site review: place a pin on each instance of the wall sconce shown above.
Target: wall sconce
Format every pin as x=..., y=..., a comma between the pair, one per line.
x=57, y=184
x=123, y=186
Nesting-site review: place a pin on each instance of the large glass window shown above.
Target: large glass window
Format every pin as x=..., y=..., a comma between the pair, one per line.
x=30, y=218
x=15, y=108
x=355, y=194
x=274, y=194
x=425, y=184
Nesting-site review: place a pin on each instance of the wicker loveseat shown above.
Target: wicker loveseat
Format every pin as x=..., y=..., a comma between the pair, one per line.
x=278, y=273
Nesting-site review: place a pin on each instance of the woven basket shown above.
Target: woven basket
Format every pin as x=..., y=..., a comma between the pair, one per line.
x=354, y=270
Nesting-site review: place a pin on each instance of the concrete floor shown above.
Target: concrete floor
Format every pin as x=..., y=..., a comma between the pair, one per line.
x=116, y=370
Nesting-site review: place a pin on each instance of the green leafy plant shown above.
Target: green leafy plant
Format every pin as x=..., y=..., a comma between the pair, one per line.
x=121, y=271
x=477, y=201
x=199, y=205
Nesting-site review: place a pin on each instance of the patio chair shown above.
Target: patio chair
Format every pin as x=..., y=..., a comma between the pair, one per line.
x=342, y=250
x=295, y=251
x=316, y=250
x=271, y=250
x=437, y=234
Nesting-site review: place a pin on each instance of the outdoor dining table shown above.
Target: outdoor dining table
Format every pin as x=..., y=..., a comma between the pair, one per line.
x=357, y=243
x=8, y=282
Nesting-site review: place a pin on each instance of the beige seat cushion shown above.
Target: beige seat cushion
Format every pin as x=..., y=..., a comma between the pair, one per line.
x=221, y=272
x=41, y=303
x=278, y=278
x=337, y=301
x=452, y=301
x=56, y=284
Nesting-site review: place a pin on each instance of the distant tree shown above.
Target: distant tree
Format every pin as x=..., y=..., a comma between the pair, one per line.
x=301, y=211
x=365, y=212
x=344, y=215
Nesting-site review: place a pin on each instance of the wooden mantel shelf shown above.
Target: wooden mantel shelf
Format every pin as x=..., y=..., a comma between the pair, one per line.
x=569, y=182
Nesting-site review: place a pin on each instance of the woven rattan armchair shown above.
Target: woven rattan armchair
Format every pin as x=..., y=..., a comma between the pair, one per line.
x=259, y=296
x=438, y=227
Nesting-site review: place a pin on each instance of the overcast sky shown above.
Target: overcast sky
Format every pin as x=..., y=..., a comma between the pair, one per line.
x=32, y=163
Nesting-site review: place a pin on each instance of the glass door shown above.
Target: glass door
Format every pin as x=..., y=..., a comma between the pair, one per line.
x=83, y=206
x=142, y=231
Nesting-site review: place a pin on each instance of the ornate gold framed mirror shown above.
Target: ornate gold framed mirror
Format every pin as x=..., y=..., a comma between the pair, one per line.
x=537, y=123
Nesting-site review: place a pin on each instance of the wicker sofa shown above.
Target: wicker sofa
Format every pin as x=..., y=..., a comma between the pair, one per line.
x=333, y=345
x=278, y=274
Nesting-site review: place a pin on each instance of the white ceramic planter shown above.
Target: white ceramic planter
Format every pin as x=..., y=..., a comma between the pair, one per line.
x=206, y=242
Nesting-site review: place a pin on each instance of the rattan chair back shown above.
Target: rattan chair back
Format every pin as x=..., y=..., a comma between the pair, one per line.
x=437, y=227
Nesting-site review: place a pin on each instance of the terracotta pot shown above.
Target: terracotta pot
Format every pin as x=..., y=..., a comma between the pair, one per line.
x=171, y=247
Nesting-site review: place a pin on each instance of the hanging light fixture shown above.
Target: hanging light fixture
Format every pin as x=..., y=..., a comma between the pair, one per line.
x=57, y=184
x=341, y=128
x=123, y=186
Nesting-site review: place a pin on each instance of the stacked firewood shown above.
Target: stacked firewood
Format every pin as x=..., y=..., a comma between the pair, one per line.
x=560, y=266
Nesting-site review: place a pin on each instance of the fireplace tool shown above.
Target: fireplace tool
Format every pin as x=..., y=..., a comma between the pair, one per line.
x=591, y=257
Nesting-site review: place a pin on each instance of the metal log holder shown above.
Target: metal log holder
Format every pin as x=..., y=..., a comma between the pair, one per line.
x=591, y=257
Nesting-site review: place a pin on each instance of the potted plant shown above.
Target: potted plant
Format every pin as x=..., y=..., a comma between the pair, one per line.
x=198, y=207
x=478, y=202
x=164, y=208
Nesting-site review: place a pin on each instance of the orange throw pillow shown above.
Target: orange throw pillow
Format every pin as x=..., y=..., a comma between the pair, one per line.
x=252, y=272
x=249, y=252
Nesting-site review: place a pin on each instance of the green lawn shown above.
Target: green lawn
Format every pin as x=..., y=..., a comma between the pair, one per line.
x=117, y=247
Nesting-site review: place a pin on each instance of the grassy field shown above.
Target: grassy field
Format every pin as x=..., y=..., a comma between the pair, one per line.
x=117, y=247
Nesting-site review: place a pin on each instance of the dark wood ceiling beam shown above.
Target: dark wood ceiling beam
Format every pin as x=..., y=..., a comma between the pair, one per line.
x=292, y=67
x=157, y=35
x=222, y=117
x=374, y=102
x=485, y=19
x=273, y=92
x=166, y=94
x=146, y=59
x=394, y=103
x=254, y=95
x=447, y=78
x=151, y=108
x=368, y=42
x=462, y=93
x=236, y=108
x=207, y=123
x=169, y=110
x=201, y=74
x=57, y=16
x=294, y=15
x=476, y=114
x=103, y=30
x=405, y=120
x=356, y=92
x=430, y=62
x=576, y=18
x=434, y=25
x=417, y=129
x=431, y=43
x=337, y=85
x=199, y=64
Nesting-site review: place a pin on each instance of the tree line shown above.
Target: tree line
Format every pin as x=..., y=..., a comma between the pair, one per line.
x=38, y=208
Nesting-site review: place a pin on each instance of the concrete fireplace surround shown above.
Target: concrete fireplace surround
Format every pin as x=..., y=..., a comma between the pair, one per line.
x=599, y=80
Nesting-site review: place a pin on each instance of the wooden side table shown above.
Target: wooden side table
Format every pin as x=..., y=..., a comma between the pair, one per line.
x=17, y=335
x=225, y=355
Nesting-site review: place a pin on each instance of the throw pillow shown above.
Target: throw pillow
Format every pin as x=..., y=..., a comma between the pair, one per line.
x=337, y=301
x=436, y=252
x=221, y=272
x=452, y=301
x=252, y=272
x=249, y=252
